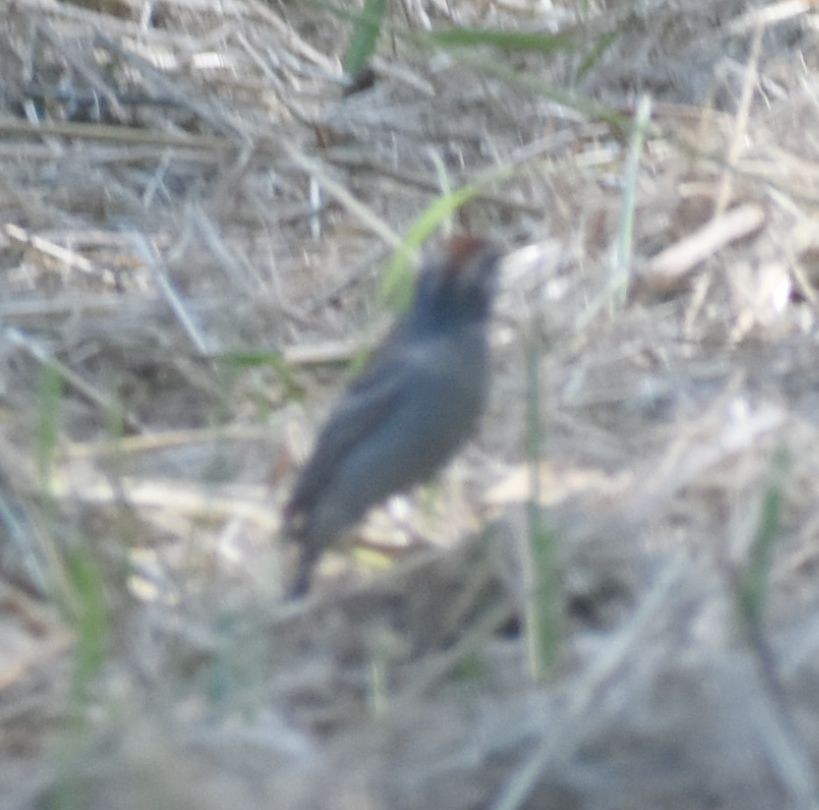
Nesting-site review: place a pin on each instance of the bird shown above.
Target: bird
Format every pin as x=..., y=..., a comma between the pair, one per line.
x=418, y=399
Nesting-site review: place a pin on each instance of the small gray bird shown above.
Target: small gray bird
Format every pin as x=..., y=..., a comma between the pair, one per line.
x=413, y=406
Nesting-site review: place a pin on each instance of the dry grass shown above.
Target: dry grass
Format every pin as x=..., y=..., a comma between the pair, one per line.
x=195, y=226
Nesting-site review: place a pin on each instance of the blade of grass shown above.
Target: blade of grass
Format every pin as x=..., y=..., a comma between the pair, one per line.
x=90, y=619
x=365, y=36
x=754, y=584
x=621, y=261
x=369, y=22
x=461, y=38
x=596, y=52
x=396, y=288
x=788, y=749
x=540, y=559
x=506, y=40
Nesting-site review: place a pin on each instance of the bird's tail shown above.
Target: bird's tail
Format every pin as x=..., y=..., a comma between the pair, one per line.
x=308, y=556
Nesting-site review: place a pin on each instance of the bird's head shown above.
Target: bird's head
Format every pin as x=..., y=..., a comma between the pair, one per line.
x=456, y=285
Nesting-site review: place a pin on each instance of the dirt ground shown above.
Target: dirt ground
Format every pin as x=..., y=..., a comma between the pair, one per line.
x=198, y=217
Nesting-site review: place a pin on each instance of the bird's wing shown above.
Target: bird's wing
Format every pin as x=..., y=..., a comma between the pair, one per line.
x=368, y=402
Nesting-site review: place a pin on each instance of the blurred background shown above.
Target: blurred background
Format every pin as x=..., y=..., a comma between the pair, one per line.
x=210, y=210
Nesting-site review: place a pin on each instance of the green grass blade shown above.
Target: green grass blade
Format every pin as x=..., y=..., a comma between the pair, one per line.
x=506, y=40
x=543, y=613
x=754, y=584
x=599, y=48
x=397, y=286
x=366, y=30
x=90, y=618
x=622, y=256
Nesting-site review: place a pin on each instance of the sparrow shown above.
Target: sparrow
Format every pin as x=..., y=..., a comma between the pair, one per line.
x=416, y=402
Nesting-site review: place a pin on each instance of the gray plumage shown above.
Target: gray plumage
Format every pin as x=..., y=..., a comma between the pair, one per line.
x=416, y=402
